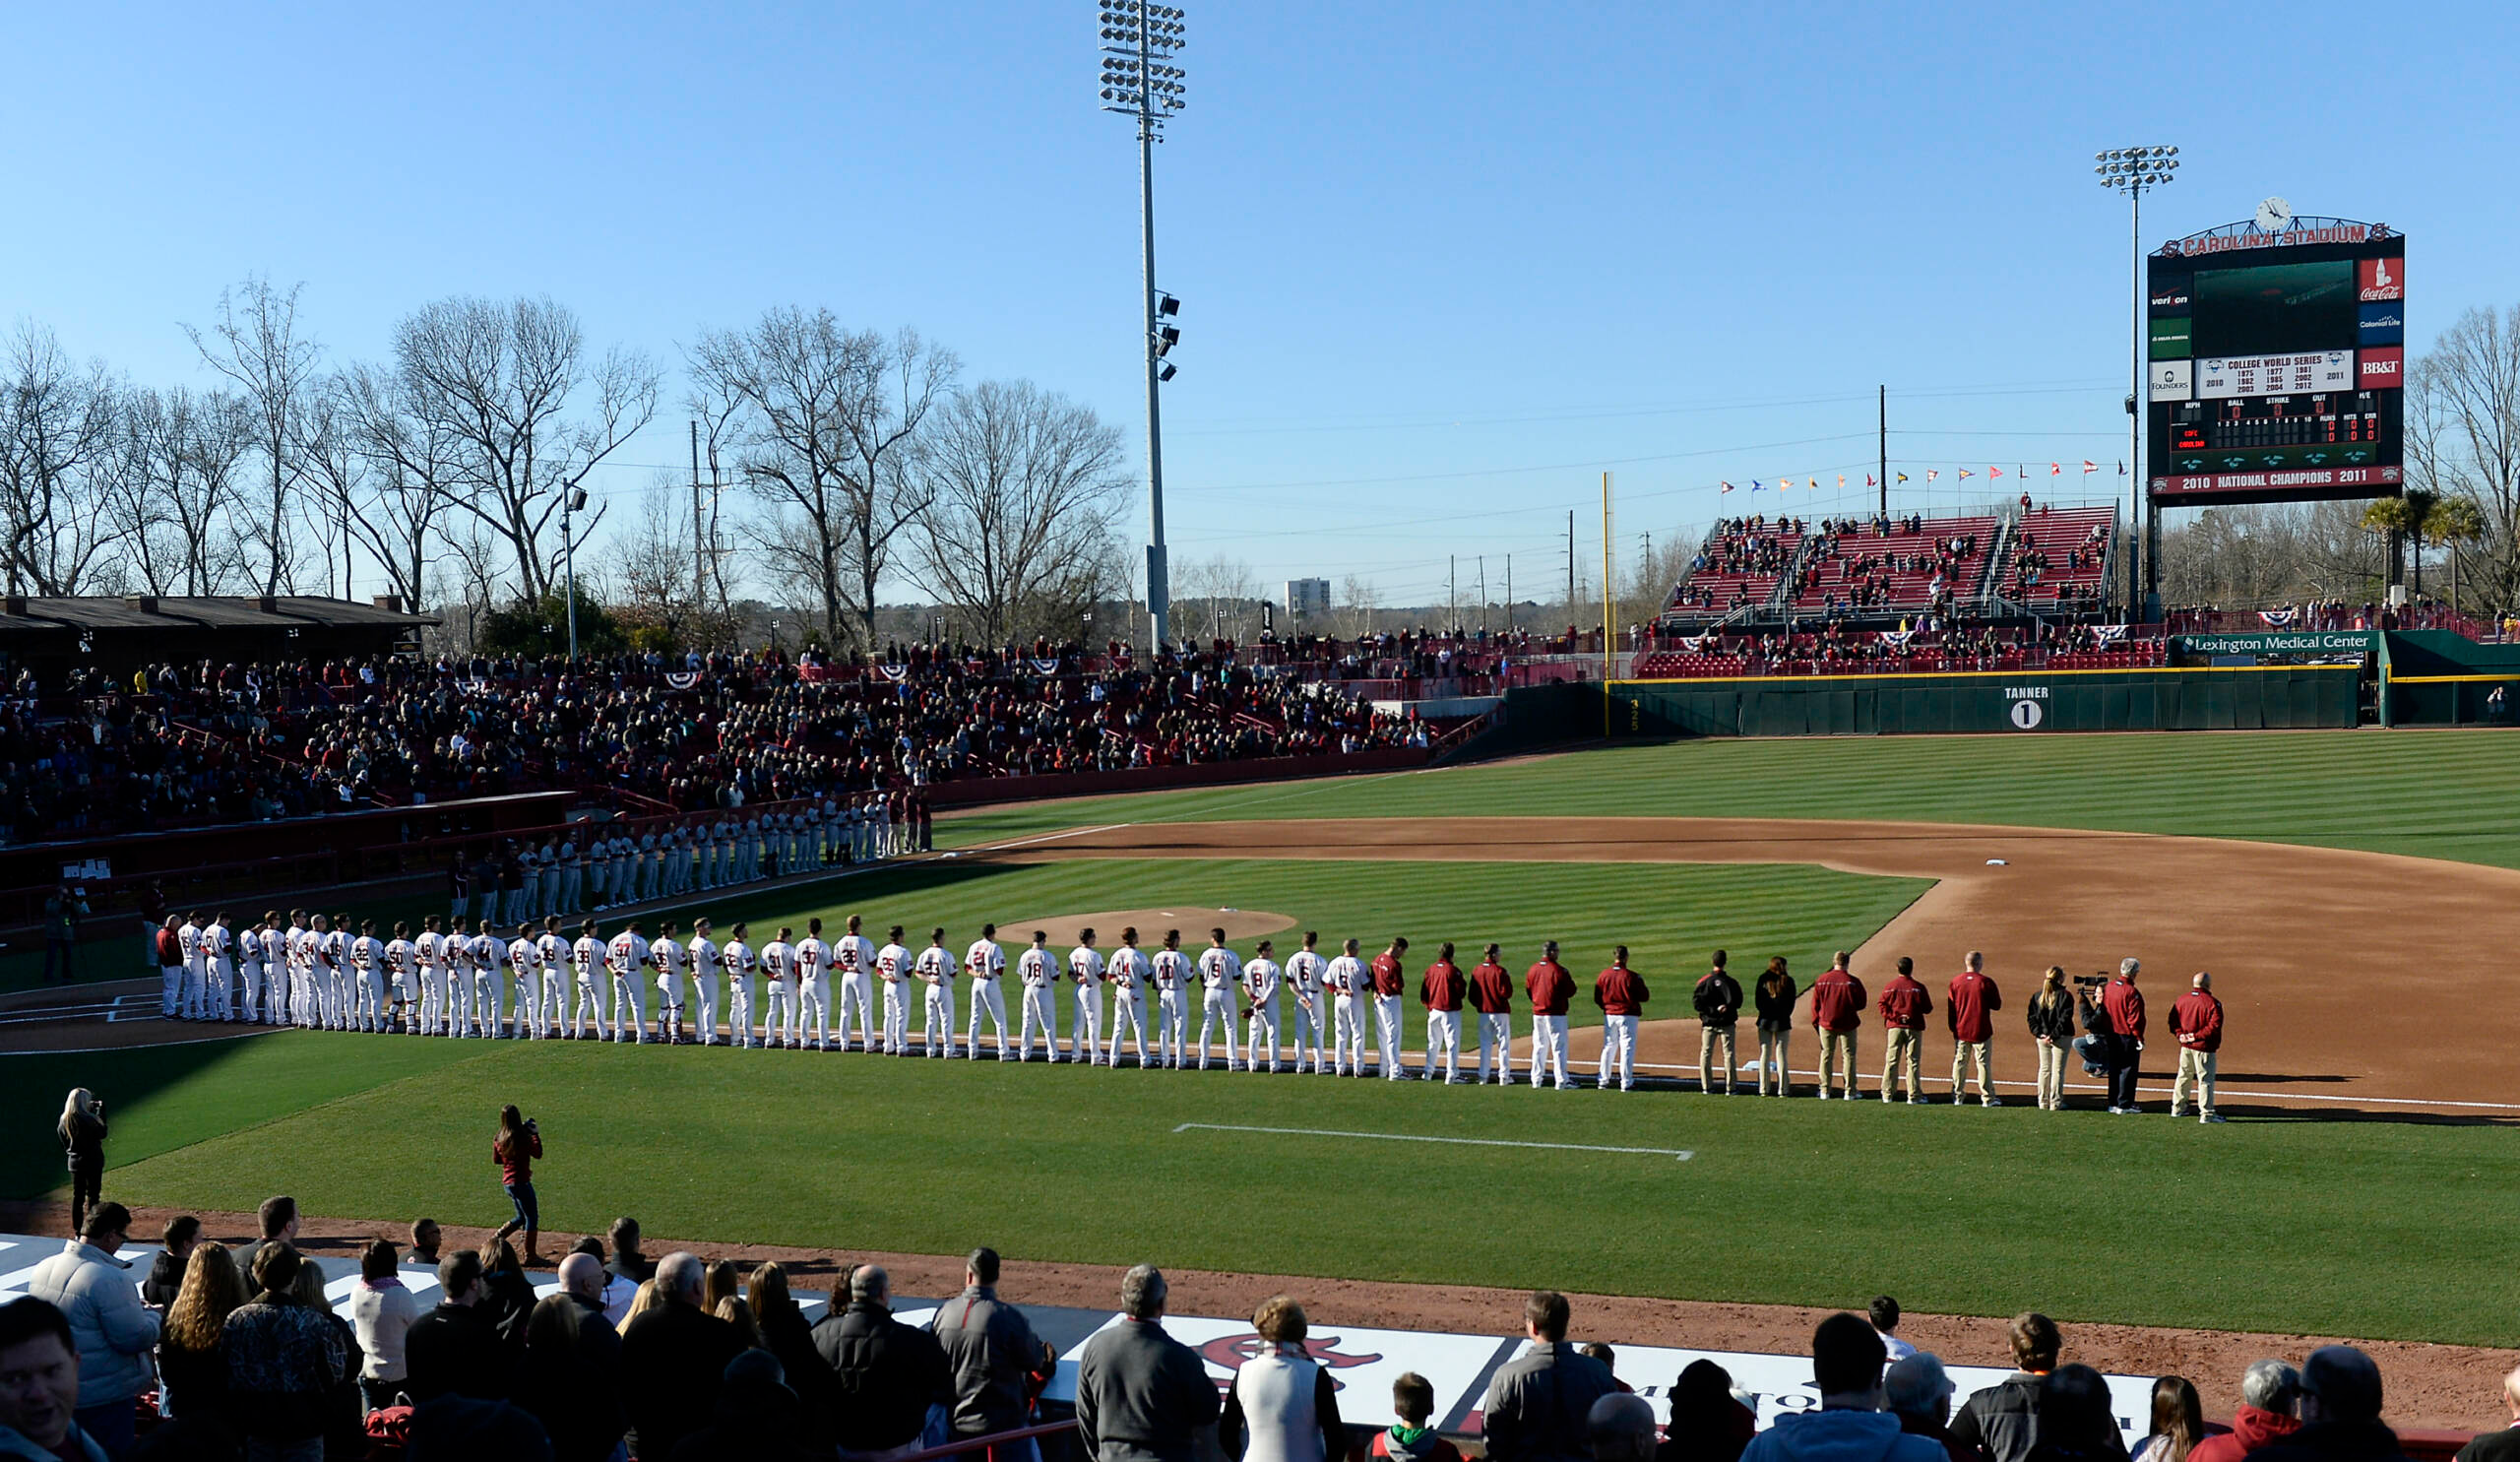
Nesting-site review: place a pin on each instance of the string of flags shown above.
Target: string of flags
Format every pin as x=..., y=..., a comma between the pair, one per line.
x=2021, y=470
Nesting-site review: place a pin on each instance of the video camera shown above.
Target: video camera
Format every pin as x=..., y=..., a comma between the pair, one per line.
x=2091, y=984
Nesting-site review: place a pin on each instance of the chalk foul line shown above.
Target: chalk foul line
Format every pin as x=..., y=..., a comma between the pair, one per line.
x=1679, y=1153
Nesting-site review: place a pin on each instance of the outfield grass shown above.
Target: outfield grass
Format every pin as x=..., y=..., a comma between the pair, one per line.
x=2265, y=1226
x=2432, y=794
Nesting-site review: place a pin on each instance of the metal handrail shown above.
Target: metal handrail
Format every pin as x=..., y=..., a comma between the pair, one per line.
x=959, y=1446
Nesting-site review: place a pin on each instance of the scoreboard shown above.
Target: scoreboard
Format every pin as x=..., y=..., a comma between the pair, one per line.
x=2278, y=362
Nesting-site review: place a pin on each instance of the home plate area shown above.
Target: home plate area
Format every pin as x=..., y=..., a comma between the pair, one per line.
x=1363, y=1363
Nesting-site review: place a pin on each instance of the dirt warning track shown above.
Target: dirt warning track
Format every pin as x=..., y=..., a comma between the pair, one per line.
x=2354, y=983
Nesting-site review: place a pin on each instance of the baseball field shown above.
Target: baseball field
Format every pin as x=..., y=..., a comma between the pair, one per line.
x=2352, y=892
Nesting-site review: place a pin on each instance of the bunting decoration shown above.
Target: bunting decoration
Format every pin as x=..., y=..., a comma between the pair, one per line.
x=2108, y=635
x=2279, y=618
x=682, y=679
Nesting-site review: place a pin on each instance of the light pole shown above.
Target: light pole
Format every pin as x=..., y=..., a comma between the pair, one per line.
x=572, y=498
x=1139, y=80
x=2131, y=172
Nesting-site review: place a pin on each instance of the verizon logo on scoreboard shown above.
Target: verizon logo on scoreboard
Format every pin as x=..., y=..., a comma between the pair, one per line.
x=2275, y=375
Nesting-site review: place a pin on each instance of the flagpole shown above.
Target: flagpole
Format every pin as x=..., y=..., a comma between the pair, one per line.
x=1605, y=605
x=1885, y=450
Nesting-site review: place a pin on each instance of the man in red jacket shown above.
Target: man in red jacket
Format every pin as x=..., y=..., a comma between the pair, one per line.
x=1969, y=1010
x=1836, y=1012
x=1391, y=984
x=1622, y=995
x=1904, y=1008
x=2197, y=1021
x=2124, y=1004
x=1492, y=994
x=1551, y=988
x=2269, y=1392
x=1441, y=990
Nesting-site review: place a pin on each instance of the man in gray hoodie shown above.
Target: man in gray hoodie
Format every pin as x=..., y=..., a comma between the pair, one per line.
x=1850, y=1426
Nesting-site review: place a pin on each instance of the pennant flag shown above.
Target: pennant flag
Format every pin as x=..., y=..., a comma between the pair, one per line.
x=2090, y=466
x=1931, y=473
x=2055, y=468
x=2122, y=467
x=1903, y=477
x=1728, y=486
x=1868, y=483
x=1994, y=471
x=1754, y=484
x=1842, y=482
x=1784, y=485
x=1965, y=475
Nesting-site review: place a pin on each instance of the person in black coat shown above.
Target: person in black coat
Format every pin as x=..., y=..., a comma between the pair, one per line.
x=885, y=1375
x=2340, y=1405
x=452, y=1350
x=166, y=1272
x=672, y=1359
x=760, y=1418
x=2502, y=1446
x=571, y=1376
x=507, y=1294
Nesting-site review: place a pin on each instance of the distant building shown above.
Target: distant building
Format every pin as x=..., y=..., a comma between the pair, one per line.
x=115, y=634
x=1307, y=597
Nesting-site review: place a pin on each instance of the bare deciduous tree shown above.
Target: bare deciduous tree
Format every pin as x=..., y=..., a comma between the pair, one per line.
x=55, y=459
x=1022, y=489
x=255, y=342
x=2463, y=437
x=1217, y=596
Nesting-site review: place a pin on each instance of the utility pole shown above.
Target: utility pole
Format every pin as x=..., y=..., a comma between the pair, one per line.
x=1509, y=594
x=1452, y=592
x=699, y=537
x=1885, y=450
x=1570, y=562
x=1140, y=40
x=1483, y=594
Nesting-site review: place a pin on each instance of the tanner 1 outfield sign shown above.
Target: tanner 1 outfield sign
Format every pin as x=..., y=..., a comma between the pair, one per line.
x=2282, y=642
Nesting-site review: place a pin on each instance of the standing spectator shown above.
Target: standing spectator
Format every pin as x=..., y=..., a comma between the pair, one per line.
x=2052, y=1034
x=1776, y=994
x=180, y=1237
x=1718, y=1003
x=1708, y=1422
x=785, y=1334
x=284, y=1363
x=1969, y=1009
x=1884, y=1313
x=82, y=1129
x=885, y=1375
x=570, y=1377
x=2502, y=1446
x=1141, y=1395
x=1621, y=993
x=2340, y=1405
x=1918, y=1393
x=759, y=1417
x=1536, y=1403
x=192, y=1356
x=627, y=1262
x=1836, y=1012
x=993, y=1354
x=2122, y=1005
x=672, y=1356
x=2197, y=1019
x=63, y=908
x=424, y=1242
x=454, y=1349
x=38, y=1407
x=2075, y=1424
x=345, y=1410
x=2178, y=1422
x=1621, y=1427
x=1282, y=1406
x=109, y=1328
x=2002, y=1421
x=1845, y=1370
x=507, y=1293
x=278, y=1220
x=517, y=1144
x=1903, y=1007
x=381, y=1311
x=2269, y=1392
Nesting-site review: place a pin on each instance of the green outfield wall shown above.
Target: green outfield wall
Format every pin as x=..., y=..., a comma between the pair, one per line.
x=2006, y=703
x=2433, y=678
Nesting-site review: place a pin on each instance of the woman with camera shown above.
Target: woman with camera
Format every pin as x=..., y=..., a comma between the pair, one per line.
x=83, y=1141
x=517, y=1144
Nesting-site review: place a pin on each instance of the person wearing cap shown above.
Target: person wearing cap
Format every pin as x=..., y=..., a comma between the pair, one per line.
x=1917, y=1391
x=2197, y=1019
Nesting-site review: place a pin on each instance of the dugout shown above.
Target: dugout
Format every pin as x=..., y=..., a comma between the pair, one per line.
x=118, y=634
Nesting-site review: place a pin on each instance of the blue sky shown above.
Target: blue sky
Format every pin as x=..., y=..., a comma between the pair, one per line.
x=1441, y=264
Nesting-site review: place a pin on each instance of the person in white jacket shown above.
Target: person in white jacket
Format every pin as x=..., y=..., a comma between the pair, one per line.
x=382, y=1310
x=111, y=1329
x=1282, y=1405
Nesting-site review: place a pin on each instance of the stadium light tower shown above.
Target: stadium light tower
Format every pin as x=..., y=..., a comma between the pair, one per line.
x=1140, y=41
x=2131, y=172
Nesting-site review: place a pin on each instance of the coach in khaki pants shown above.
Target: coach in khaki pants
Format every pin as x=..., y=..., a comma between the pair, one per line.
x=1836, y=1012
x=1969, y=1008
x=2197, y=1021
x=1904, y=1008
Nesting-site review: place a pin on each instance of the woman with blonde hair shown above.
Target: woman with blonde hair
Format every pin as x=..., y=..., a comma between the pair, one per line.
x=734, y=1311
x=2051, y=1026
x=640, y=1303
x=82, y=1142
x=783, y=1331
x=192, y=1355
x=346, y=1404
x=1282, y=1406
x=723, y=1282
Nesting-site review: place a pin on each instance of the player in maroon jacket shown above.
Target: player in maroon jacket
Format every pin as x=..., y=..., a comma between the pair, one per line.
x=1441, y=990
x=1551, y=988
x=2197, y=1021
x=1903, y=1007
x=1621, y=993
x=1969, y=1009
x=1836, y=1012
x=1492, y=994
x=2124, y=1006
x=1391, y=985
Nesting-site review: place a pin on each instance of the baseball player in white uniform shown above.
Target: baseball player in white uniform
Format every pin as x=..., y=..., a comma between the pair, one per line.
x=779, y=992
x=1350, y=989
x=553, y=946
x=1260, y=981
x=664, y=955
x=702, y=951
x=524, y=964
x=586, y=965
x=737, y=960
x=294, y=972
x=188, y=984
x=855, y=957
x=986, y=962
x=368, y=979
x=1496, y=1027
x=1304, y=970
x=1039, y=970
x=429, y=954
x=323, y=1008
x=1219, y=987
x=626, y=959
x=892, y=967
x=936, y=968
x=249, y=970
x=403, y=971
x=219, y=952
x=1172, y=980
x=337, y=949
x=488, y=954
x=1129, y=970
x=1085, y=969
x=813, y=986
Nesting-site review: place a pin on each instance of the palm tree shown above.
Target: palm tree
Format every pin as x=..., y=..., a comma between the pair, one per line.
x=2407, y=516
x=2455, y=521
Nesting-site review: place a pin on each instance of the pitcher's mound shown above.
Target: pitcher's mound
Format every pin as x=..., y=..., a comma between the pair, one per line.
x=1193, y=923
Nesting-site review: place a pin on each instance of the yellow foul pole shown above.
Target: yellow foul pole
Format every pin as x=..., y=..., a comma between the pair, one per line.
x=1608, y=627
